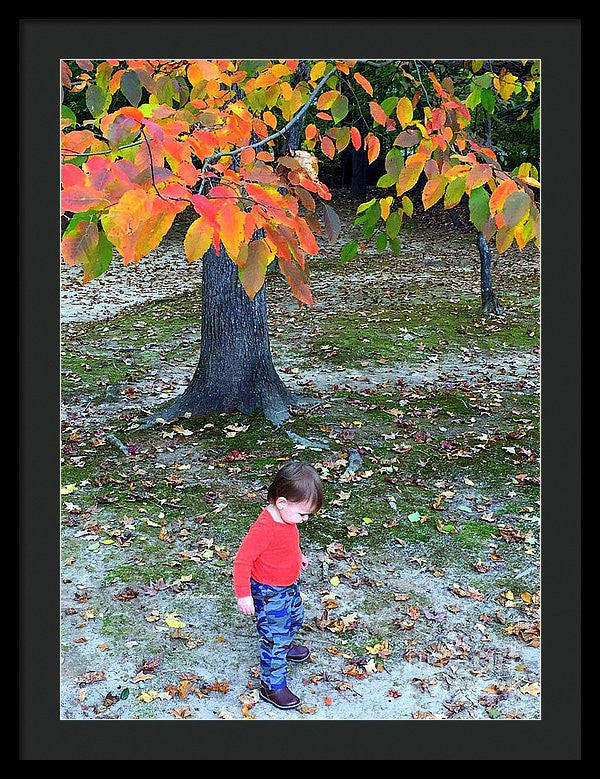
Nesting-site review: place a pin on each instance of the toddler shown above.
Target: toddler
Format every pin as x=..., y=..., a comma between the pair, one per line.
x=265, y=571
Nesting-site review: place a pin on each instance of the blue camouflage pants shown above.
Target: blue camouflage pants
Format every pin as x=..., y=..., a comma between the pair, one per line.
x=279, y=615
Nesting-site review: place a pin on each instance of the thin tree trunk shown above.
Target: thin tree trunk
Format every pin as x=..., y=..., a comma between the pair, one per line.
x=358, y=189
x=489, y=302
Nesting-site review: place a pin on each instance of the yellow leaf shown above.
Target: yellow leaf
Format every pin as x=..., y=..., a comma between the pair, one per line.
x=318, y=70
x=404, y=111
x=334, y=581
x=148, y=696
x=172, y=622
x=68, y=489
x=198, y=239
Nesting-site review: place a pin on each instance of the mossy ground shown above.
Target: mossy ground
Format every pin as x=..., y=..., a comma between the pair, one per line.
x=447, y=467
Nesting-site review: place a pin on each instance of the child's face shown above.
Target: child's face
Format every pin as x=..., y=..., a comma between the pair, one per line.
x=292, y=512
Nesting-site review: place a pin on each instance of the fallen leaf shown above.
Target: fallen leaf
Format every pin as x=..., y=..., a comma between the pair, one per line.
x=183, y=712
x=142, y=677
x=531, y=689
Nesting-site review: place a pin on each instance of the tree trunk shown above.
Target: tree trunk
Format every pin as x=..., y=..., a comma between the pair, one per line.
x=358, y=189
x=235, y=370
x=489, y=302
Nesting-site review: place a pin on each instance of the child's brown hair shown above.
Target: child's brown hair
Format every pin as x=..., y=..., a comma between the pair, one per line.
x=297, y=482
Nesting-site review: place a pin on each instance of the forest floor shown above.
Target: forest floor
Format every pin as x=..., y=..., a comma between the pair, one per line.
x=422, y=598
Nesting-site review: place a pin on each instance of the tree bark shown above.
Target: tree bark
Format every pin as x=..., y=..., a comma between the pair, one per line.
x=235, y=370
x=489, y=301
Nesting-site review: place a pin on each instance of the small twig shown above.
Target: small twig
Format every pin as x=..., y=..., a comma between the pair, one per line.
x=354, y=463
x=119, y=444
x=305, y=442
x=147, y=496
x=526, y=571
x=421, y=83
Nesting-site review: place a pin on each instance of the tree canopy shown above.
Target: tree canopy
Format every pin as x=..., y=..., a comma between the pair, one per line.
x=143, y=140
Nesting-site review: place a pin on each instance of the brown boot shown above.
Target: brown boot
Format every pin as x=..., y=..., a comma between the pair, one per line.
x=298, y=653
x=282, y=699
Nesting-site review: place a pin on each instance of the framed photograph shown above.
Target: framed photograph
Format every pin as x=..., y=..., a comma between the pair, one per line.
x=289, y=449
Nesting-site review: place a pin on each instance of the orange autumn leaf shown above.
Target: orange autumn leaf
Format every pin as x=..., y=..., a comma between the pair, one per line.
x=231, y=221
x=373, y=147
x=377, y=112
x=500, y=194
x=328, y=147
x=433, y=191
x=360, y=79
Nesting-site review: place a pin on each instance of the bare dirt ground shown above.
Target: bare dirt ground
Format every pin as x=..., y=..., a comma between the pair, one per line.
x=422, y=598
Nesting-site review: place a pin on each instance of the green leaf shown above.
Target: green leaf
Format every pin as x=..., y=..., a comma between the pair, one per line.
x=488, y=100
x=536, y=119
x=494, y=713
x=389, y=105
x=483, y=81
x=124, y=694
x=386, y=181
x=339, y=109
x=349, y=251
x=414, y=517
x=454, y=191
x=363, y=206
x=368, y=230
x=103, y=74
x=66, y=113
x=164, y=90
x=381, y=242
x=393, y=224
x=396, y=246
x=88, y=216
x=95, y=100
x=516, y=206
x=131, y=87
x=407, y=206
x=394, y=162
x=251, y=66
x=474, y=98
x=479, y=210
x=373, y=214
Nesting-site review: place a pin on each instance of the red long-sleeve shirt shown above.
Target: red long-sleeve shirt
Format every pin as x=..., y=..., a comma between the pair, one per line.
x=270, y=554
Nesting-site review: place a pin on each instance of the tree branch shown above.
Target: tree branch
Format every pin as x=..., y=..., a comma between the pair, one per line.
x=70, y=152
x=272, y=137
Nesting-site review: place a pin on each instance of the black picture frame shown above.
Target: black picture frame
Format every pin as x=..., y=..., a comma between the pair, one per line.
x=42, y=43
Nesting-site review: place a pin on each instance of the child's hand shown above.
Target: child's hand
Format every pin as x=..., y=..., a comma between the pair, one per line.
x=305, y=562
x=246, y=605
